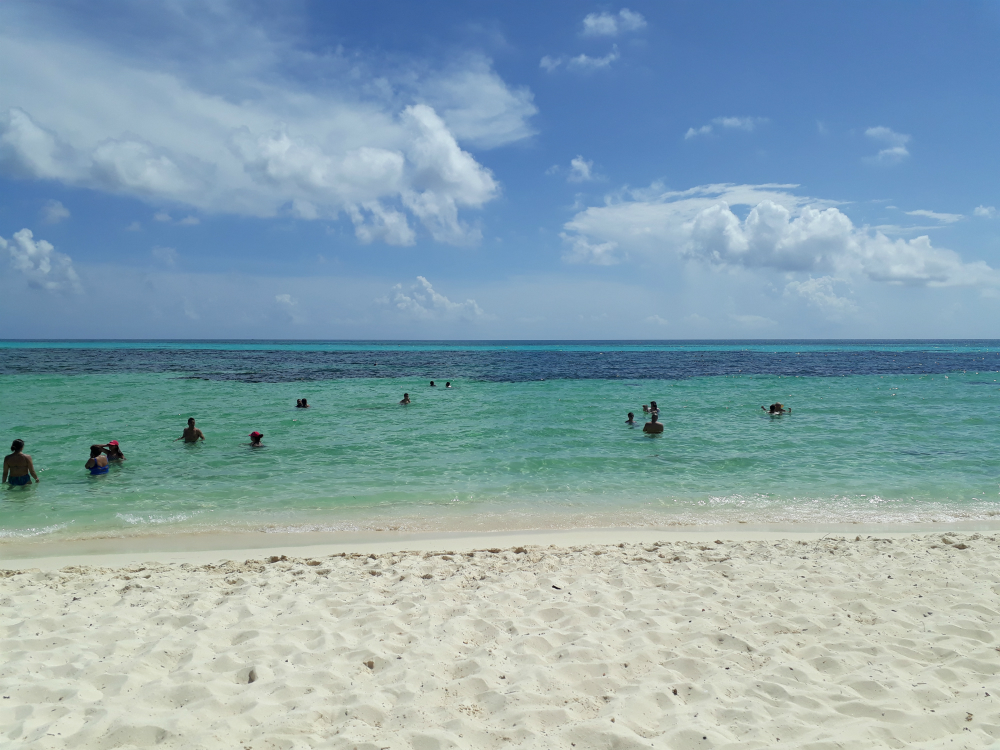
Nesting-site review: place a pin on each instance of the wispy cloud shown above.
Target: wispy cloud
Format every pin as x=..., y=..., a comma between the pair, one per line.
x=820, y=293
x=985, y=212
x=580, y=62
x=580, y=170
x=726, y=123
x=943, y=218
x=612, y=24
x=422, y=302
x=53, y=212
x=895, y=149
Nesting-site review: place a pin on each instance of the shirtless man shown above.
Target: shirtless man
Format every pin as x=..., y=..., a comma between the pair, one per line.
x=191, y=433
x=654, y=427
x=17, y=467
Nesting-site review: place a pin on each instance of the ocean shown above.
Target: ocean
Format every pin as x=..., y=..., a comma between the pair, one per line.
x=531, y=435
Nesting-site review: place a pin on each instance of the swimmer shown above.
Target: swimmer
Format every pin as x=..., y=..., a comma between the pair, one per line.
x=298, y=403
x=255, y=438
x=191, y=433
x=654, y=427
x=645, y=409
x=432, y=384
x=18, y=470
x=448, y=384
x=777, y=408
x=113, y=451
x=631, y=418
x=302, y=403
x=98, y=462
x=653, y=408
x=406, y=399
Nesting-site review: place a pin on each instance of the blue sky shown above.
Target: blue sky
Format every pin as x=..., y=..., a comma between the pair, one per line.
x=499, y=170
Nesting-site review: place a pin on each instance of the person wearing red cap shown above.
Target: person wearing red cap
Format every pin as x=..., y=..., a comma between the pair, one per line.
x=255, y=438
x=113, y=451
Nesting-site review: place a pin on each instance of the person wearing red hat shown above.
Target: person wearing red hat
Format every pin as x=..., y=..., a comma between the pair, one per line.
x=255, y=438
x=113, y=451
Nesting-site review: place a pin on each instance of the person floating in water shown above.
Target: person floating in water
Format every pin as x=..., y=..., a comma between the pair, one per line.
x=777, y=408
x=301, y=403
x=191, y=433
x=98, y=462
x=448, y=384
x=653, y=426
x=113, y=451
x=432, y=384
x=255, y=438
x=18, y=470
x=631, y=418
x=406, y=399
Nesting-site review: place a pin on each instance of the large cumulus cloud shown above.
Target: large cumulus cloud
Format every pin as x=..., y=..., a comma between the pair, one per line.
x=782, y=232
x=245, y=136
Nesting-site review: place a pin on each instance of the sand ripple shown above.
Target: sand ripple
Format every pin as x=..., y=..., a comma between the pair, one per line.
x=838, y=643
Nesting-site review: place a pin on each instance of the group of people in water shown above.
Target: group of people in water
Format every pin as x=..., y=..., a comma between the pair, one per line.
x=18, y=469
x=655, y=427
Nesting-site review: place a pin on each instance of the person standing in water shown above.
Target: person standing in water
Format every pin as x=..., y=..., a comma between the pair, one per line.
x=406, y=399
x=777, y=408
x=432, y=384
x=113, y=451
x=448, y=384
x=18, y=470
x=255, y=438
x=191, y=433
x=631, y=418
x=653, y=427
x=98, y=462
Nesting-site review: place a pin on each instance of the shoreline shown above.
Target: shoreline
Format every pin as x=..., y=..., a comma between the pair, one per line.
x=208, y=547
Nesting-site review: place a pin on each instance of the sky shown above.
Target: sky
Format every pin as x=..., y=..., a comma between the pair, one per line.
x=499, y=170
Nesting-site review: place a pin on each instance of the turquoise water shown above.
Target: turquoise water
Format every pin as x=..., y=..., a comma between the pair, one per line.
x=895, y=448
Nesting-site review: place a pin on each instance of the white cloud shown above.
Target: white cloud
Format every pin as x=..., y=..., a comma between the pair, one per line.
x=53, y=212
x=38, y=261
x=731, y=123
x=985, y=212
x=373, y=221
x=477, y=106
x=165, y=255
x=943, y=218
x=895, y=149
x=586, y=62
x=189, y=221
x=549, y=63
x=781, y=231
x=237, y=135
x=657, y=320
x=608, y=24
x=580, y=170
x=285, y=299
x=422, y=302
x=162, y=216
x=820, y=293
x=582, y=251
x=135, y=226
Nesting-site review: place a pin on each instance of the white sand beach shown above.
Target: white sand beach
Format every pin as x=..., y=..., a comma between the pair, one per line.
x=807, y=642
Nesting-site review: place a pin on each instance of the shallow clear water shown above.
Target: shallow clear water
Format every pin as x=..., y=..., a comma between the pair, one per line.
x=502, y=452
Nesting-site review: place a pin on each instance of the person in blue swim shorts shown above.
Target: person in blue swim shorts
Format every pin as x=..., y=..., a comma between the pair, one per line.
x=17, y=467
